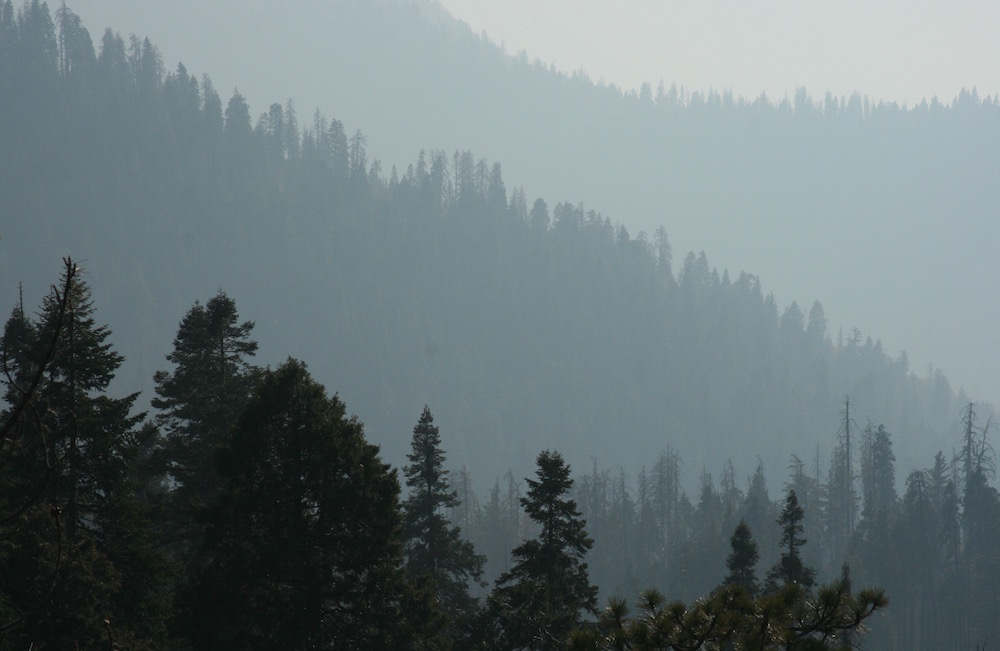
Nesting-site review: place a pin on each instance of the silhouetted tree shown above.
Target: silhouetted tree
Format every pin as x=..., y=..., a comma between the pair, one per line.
x=540, y=600
x=790, y=569
x=434, y=549
x=304, y=543
x=742, y=560
x=200, y=400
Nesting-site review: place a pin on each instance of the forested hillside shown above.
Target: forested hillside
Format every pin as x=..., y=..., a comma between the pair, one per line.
x=530, y=323
x=576, y=413
x=884, y=211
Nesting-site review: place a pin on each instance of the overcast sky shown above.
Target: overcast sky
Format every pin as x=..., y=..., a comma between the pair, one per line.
x=903, y=50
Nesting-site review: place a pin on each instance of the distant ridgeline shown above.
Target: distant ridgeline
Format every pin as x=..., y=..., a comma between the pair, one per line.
x=679, y=400
x=526, y=325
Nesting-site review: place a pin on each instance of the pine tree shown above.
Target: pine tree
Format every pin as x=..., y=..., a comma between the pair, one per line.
x=742, y=561
x=540, y=600
x=792, y=619
x=304, y=541
x=434, y=549
x=790, y=569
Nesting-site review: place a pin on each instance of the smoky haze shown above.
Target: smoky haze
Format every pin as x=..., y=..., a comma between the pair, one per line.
x=682, y=310
x=904, y=254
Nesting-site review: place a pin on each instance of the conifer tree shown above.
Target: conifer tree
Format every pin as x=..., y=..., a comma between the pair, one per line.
x=792, y=619
x=790, y=569
x=434, y=549
x=878, y=471
x=742, y=561
x=202, y=398
x=304, y=541
x=540, y=600
x=99, y=554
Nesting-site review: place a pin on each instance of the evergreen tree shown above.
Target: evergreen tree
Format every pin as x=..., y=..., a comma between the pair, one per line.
x=434, y=549
x=915, y=551
x=730, y=619
x=760, y=514
x=742, y=561
x=839, y=494
x=809, y=494
x=981, y=556
x=705, y=547
x=21, y=372
x=790, y=569
x=304, y=542
x=878, y=471
x=540, y=600
x=200, y=401
x=100, y=560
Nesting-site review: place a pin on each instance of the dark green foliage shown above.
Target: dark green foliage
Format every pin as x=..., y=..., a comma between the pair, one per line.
x=434, y=549
x=303, y=545
x=981, y=558
x=790, y=570
x=791, y=619
x=878, y=471
x=742, y=560
x=79, y=526
x=541, y=599
x=702, y=553
x=200, y=401
x=809, y=492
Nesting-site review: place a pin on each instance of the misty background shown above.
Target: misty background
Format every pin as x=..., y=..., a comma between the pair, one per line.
x=900, y=244
x=700, y=299
x=883, y=213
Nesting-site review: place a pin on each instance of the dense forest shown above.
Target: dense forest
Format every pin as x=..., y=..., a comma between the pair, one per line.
x=531, y=323
x=884, y=209
x=675, y=396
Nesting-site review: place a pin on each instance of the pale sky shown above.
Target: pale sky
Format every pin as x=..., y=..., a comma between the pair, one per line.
x=901, y=50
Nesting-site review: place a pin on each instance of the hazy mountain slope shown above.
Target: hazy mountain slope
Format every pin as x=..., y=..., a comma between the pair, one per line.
x=522, y=326
x=887, y=214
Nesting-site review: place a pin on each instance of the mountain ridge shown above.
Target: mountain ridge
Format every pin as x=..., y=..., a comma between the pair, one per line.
x=170, y=197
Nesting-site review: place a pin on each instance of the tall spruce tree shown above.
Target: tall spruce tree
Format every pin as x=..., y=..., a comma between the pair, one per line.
x=434, y=549
x=304, y=541
x=540, y=600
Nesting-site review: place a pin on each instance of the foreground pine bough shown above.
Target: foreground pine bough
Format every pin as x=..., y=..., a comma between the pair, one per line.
x=729, y=618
